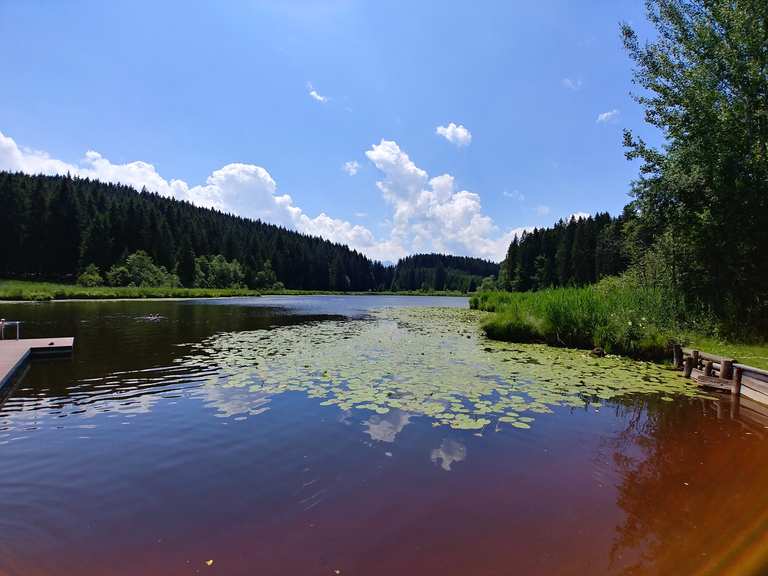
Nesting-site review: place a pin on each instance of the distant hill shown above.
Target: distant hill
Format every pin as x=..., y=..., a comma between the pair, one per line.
x=442, y=272
x=54, y=226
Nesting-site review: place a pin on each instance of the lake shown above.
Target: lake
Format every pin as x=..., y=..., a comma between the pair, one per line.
x=361, y=435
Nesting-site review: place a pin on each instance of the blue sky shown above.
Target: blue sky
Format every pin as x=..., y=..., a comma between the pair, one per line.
x=255, y=107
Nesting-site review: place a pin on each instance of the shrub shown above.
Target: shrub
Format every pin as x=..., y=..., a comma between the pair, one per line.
x=617, y=314
x=90, y=276
x=218, y=272
x=140, y=270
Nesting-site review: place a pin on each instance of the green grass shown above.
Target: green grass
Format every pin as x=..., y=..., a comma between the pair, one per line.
x=616, y=315
x=25, y=290
x=288, y=292
x=755, y=354
x=611, y=315
x=40, y=291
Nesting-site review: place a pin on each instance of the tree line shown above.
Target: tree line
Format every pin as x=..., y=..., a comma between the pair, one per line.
x=442, y=272
x=573, y=252
x=65, y=228
x=697, y=224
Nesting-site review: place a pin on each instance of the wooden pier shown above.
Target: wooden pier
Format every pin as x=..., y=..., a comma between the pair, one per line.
x=15, y=353
x=722, y=373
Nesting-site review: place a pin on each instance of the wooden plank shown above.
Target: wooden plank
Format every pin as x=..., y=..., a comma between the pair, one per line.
x=755, y=389
x=714, y=382
x=15, y=353
x=754, y=372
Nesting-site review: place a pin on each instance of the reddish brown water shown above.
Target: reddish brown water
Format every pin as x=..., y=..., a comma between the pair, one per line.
x=120, y=462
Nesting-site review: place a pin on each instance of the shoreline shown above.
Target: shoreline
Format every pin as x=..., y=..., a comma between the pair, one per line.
x=223, y=297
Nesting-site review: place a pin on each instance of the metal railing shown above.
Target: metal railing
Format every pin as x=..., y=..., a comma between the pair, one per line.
x=4, y=323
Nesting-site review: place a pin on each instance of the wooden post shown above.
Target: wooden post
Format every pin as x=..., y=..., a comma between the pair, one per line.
x=677, y=356
x=688, y=367
x=695, y=355
x=708, y=368
x=726, y=369
x=736, y=386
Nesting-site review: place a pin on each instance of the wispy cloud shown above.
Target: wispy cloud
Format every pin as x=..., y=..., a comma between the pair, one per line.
x=315, y=95
x=351, y=167
x=606, y=117
x=573, y=84
x=542, y=210
x=455, y=134
x=515, y=195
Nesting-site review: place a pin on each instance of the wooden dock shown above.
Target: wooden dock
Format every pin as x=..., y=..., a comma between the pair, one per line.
x=15, y=353
x=722, y=373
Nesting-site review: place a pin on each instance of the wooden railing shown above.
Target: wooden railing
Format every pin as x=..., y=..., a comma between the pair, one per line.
x=722, y=372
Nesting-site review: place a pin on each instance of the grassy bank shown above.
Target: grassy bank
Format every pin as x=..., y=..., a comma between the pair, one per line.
x=23, y=290
x=41, y=291
x=615, y=314
x=612, y=315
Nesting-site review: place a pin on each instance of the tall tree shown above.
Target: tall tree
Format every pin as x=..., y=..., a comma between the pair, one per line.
x=704, y=84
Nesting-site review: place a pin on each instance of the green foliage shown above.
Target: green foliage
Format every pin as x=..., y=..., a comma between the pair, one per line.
x=570, y=253
x=54, y=226
x=90, y=276
x=437, y=272
x=218, y=272
x=118, y=276
x=138, y=269
x=619, y=314
x=266, y=278
x=42, y=291
x=488, y=284
x=702, y=200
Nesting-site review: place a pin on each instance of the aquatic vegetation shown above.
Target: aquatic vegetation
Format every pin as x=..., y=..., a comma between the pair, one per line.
x=617, y=315
x=431, y=362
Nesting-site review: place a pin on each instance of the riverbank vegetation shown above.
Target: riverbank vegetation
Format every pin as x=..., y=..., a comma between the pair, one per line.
x=689, y=249
x=23, y=290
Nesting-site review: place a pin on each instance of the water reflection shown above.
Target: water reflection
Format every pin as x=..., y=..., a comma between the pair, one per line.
x=449, y=452
x=692, y=487
x=386, y=428
x=226, y=468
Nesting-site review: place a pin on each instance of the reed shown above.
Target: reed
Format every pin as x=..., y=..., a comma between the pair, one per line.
x=614, y=315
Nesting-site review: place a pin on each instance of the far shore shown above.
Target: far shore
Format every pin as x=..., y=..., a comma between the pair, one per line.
x=22, y=291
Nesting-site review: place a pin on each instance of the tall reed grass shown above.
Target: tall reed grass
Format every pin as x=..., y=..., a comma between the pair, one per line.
x=616, y=315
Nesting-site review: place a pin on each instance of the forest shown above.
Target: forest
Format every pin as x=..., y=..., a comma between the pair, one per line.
x=575, y=252
x=686, y=259
x=62, y=228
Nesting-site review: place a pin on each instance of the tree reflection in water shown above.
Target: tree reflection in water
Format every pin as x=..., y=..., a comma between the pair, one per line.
x=693, y=484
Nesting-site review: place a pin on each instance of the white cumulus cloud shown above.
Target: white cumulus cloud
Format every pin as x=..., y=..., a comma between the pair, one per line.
x=244, y=189
x=425, y=213
x=457, y=135
x=351, y=167
x=606, y=117
x=430, y=214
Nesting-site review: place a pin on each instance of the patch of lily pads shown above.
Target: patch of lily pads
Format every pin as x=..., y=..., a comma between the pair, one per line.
x=429, y=361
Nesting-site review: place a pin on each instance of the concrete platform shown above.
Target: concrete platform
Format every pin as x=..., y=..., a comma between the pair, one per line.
x=15, y=353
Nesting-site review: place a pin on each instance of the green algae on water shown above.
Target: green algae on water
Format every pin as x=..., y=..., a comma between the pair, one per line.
x=428, y=361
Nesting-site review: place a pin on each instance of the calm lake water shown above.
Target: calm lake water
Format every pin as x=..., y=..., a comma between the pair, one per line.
x=184, y=432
